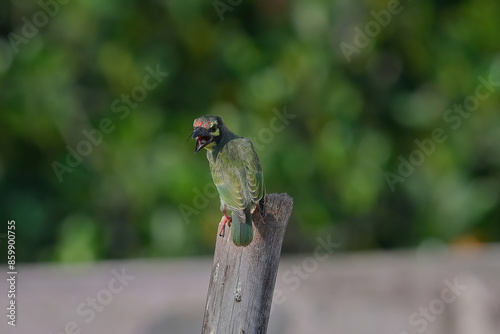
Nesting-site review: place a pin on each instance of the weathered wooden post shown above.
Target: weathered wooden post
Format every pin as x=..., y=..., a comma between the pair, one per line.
x=241, y=286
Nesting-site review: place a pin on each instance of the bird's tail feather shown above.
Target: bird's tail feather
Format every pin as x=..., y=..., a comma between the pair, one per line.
x=241, y=228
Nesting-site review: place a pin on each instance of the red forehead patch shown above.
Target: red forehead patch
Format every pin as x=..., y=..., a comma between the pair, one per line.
x=198, y=123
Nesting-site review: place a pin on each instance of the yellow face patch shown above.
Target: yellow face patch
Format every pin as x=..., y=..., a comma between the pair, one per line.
x=210, y=146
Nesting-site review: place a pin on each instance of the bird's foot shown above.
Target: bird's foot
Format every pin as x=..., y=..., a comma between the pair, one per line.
x=225, y=220
x=261, y=218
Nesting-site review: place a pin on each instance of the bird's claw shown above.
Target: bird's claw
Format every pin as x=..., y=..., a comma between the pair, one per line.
x=225, y=220
x=261, y=217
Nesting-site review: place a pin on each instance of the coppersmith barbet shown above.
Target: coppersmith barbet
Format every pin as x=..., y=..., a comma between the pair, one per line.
x=236, y=172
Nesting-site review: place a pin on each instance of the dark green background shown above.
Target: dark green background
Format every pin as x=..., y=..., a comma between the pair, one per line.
x=353, y=122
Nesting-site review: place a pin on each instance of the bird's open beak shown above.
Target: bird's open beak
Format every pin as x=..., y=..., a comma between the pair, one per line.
x=203, y=138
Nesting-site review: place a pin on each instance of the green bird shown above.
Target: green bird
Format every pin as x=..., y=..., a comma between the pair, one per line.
x=236, y=172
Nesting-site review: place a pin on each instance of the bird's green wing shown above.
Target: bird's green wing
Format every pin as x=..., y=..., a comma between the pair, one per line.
x=254, y=175
x=237, y=174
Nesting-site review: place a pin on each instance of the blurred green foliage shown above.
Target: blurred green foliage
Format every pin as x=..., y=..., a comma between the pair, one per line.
x=353, y=122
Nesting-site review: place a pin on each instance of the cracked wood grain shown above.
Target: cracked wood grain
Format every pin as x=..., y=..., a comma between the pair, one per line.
x=242, y=282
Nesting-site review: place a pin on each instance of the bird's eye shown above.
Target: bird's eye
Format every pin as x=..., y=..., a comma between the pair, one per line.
x=213, y=128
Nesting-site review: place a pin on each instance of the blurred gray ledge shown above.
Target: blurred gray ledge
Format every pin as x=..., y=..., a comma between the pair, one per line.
x=365, y=293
